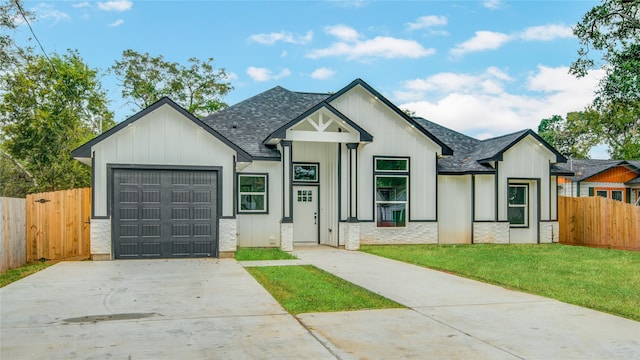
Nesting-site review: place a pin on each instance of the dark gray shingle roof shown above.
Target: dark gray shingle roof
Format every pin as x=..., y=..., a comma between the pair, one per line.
x=249, y=122
x=470, y=155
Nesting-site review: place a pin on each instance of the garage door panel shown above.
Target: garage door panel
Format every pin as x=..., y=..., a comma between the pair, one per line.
x=164, y=213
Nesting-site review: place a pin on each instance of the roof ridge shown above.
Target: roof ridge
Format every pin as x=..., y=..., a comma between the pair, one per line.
x=520, y=132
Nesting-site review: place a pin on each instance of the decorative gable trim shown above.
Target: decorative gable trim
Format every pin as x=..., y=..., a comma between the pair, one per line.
x=281, y=133
x=499, y=155
x=446, y=150
x=84, y=151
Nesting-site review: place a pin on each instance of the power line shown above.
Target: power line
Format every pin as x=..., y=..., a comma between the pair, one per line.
x=55, y=70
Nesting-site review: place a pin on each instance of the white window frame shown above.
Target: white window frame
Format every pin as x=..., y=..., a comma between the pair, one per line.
x=525, y=205
x=264, y=193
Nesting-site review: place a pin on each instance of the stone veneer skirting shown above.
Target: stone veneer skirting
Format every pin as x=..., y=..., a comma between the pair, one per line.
x=549, y=232
x=100, y=232
x=490, y=232
x=350, y=235
x=413, y=233
x=286, y=236
x=228, y=229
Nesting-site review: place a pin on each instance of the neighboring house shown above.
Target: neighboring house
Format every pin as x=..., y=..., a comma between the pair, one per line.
x=614, y=179
x=285, y=168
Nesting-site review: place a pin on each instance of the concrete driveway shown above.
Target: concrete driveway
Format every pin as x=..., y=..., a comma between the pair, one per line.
x=156, y=309
x=213, y=309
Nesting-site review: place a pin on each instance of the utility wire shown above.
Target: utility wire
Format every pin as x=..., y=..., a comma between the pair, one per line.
x=55, y=70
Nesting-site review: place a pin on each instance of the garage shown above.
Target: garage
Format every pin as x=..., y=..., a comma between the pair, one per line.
x=164, y=213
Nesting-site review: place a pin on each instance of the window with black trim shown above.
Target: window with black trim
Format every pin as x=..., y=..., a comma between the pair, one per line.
x=518, y=209
x=252, y=193
x=391, y=191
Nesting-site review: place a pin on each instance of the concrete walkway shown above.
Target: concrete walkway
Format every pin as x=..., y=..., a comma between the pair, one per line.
x=455, y=318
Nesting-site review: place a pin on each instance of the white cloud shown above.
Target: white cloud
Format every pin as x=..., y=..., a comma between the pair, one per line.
x=546, y=32
x=479, y=104
x=322, y=73
x=491, y=81
x=230, y=76
x=492, y=4
x=343, y=32
x=352, y=47
x=272, y=38
x=117, y=23
x=81, y=4
x=264, y=74
x=46, y=11
x=350, y=3
x=115, y=5
x=427, y=21
x=483, y=40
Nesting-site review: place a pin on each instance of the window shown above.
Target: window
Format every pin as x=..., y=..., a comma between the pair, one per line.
x=518, y=209
x=392, y=164
x=391, y=191
x=305, y=172
x=252, y=193
x=602, y=193
x=616, y=195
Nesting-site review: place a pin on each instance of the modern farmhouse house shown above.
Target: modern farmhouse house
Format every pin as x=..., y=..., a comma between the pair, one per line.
x=285, y=168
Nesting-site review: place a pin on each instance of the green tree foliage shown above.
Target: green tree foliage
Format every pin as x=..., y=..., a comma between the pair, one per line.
x=619, y=127
x=572, y=136
x=10, y=17
x=612, y=30
x=49, y=108
x=198, y=87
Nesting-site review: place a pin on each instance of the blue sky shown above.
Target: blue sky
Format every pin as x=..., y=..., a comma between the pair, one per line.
x=484, y=68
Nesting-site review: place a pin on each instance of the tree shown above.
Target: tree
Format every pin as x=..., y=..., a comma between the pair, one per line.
x=572, y=136
x=199, y=87
x=613, y=30
x=11, y=15
x=619, y=127
x=48, y=108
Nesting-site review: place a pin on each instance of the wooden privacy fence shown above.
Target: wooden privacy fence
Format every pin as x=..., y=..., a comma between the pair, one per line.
x=12, y=233
x=58, y=225
x=600, y=222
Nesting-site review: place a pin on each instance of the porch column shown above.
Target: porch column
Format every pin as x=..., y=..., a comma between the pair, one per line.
x=286, y=224
x=353, y=182
x=352, y=227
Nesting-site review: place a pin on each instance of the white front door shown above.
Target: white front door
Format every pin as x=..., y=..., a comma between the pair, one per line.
x=305, y=214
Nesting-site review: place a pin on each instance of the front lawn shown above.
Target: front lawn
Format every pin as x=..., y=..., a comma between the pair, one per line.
x=16, y=274
x=305, y=289
x=601, y=279
x=250, y=254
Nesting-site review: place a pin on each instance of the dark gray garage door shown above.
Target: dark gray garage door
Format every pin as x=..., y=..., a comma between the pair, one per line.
x=164, y=214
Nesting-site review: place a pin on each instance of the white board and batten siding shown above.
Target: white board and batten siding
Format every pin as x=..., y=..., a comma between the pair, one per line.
x=162, y=137
x=527, y=162
x=454, y=209
x=392, y=136
x=259, y=230
x=485, y=198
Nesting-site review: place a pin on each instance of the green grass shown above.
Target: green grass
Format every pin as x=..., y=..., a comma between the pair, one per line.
x=601, y=279
x=16, y=274
x=250, y=254
x=304, y=289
